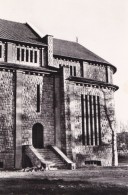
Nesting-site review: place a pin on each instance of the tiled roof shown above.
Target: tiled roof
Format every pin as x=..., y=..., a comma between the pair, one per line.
x=75, y=50
x=20, y=32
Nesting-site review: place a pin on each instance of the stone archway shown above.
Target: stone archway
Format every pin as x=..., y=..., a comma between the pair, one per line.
x=37, y=135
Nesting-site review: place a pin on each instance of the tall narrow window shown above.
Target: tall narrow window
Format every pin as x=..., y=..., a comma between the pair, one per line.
x=106, y=69
x=38, y=98
x=71, y=70
x=35, y=57
x=98, y=104
x=27, y=55
x=95, y=119
x=18, y=53
x=75, y=71
x=22, y=54
x=87, y=118
x=0, y=51
x=82, y=114
x=91, y=120
x=31, y=56
x=81, y=70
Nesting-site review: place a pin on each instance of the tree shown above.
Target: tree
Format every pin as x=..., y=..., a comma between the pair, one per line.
x=123, y=126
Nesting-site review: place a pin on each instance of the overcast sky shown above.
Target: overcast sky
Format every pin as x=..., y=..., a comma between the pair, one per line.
x=100, y=25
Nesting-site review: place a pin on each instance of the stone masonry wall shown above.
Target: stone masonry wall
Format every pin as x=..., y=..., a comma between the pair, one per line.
x=7, y=118
x=62, y=113
x=94, y=72
x=73, y=123
x=66, y=134
x=57, y=62
x=35, y=161
x=87, y=70
x=93, y=153
x=30, y=116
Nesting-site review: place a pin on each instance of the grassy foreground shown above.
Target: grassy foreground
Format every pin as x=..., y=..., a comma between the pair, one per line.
x=87, y=181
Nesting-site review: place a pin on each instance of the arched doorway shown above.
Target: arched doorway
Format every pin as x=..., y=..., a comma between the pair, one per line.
x=37, y=136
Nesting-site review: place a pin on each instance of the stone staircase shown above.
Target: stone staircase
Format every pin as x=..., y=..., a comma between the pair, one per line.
x=53, y=158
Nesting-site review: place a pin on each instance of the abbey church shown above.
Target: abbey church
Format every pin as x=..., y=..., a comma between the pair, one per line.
x=56, y=101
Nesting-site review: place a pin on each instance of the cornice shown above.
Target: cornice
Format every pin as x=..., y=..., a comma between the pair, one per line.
x=84, y=60
x=94, y=83
x=12, y=66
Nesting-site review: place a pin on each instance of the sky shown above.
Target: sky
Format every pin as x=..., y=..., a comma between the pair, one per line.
x=100, y=25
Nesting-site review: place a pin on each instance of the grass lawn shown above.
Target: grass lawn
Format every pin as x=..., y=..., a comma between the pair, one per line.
x=90, y=181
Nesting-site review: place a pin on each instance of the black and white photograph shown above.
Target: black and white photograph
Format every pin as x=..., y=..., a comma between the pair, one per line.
x=64, y=97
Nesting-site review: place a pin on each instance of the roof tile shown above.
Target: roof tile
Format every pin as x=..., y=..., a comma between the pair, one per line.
x=16, y=31
x=75, y=50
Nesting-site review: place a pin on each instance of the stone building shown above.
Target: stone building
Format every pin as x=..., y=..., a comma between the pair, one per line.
x=52, y=101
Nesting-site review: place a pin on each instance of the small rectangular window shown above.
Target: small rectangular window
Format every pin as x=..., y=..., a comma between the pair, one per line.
x=18, y=53
x=35, y=57
x=27, y=55
x=0, y=51
x=1, y=165
x=93, y=162
x=31, y=56
x=38, y=98
x=22, y=54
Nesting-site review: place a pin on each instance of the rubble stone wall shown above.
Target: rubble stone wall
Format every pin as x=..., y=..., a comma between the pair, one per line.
x=7, y=118
x=30, y=116
x=73, y=122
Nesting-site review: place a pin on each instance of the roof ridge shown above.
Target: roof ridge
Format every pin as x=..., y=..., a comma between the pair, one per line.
x=34, y=29
x=11, y=21
x=66, y=40
x=17, y=31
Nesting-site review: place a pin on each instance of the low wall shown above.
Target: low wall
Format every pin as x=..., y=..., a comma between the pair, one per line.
x=93, y=153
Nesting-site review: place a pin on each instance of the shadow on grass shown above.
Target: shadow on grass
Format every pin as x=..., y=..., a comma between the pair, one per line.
x=57, y=187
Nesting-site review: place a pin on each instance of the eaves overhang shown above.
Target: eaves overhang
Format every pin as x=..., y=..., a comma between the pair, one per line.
x=12, y=66
x=24, y=42
x=82, y=80
x=85, y=60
